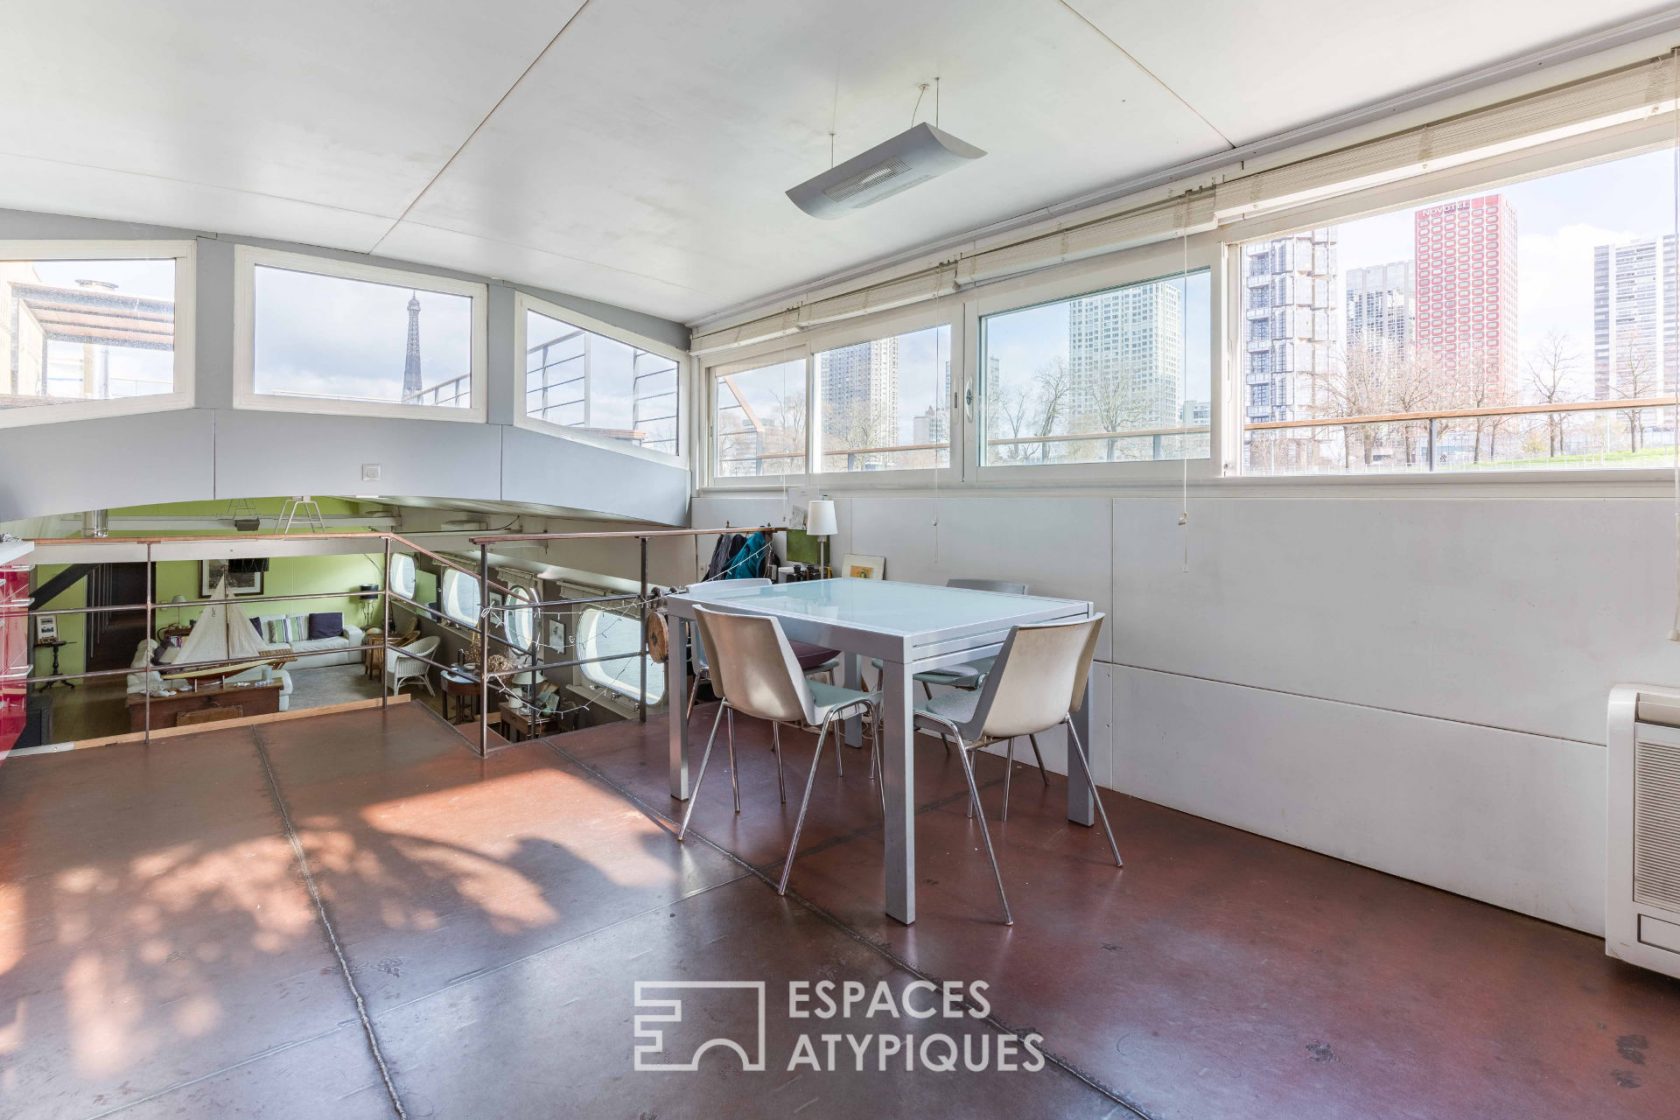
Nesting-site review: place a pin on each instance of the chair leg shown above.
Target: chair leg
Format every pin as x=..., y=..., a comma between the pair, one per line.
x=1096, y=794
x=776, y=746
x=1038, y=754
x=927, y=689
x=804, y=804
x=1008, y=772
x=693, y=691
x=985, y=833
x=839, y=756
x=700, y=776
x=734, y=774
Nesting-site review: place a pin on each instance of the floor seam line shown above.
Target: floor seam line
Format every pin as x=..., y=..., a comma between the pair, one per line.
x=545, y=950
x=1067, y=1067
x=326, y=921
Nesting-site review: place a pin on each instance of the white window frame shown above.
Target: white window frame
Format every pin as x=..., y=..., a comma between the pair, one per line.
x=522, y=595
x=524, y=302
x=185, y=256
x=1164, y=261
x=757, y=358
x=248, y=258
x=1557, y=157
x=404, y=561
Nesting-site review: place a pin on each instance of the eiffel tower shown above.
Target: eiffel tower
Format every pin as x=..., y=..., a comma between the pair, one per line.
x=411, y=363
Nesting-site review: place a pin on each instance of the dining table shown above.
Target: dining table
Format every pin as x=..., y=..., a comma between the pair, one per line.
x=905, y=629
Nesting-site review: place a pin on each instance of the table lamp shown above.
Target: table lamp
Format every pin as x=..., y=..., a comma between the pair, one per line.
x=820, y=523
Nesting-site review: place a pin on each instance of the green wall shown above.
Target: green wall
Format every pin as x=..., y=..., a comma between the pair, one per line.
x=336, y=576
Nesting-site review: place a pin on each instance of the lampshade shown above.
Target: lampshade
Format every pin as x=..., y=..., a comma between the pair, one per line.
x=178, y=599
x=819, y=518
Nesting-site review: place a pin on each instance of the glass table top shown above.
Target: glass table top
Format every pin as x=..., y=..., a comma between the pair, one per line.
x=885, y=606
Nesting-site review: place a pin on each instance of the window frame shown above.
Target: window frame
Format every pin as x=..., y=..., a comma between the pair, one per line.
x=524, y=302
x=449, y=579
x=527, y=609
x=757, y=358
x=1490, y=174
x=248, y=258
x=184, y=253
x=1162, y=261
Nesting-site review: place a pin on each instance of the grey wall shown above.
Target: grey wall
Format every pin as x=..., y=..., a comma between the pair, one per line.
x=213, y=451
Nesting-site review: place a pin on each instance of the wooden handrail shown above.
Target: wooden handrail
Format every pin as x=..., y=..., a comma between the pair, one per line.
x=1466, y=413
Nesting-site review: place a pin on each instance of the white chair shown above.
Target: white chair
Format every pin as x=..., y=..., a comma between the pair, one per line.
x=756, y=673
x=1037, y=682
x=703, y=669
x=399, y=670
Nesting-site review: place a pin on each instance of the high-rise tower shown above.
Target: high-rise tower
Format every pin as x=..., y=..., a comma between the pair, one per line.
x=411, y=363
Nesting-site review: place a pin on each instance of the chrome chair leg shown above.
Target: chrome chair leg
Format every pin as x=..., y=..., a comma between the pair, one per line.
x=804, y=805
x=1008, y=772
x=694, y=794
x=734, y=774
x=1096, y=794
x=693, y=691
x=1038, y=754
x=776, y=746
x=985, y=833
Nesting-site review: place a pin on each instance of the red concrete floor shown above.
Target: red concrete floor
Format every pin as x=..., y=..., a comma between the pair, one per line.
x=353, y=916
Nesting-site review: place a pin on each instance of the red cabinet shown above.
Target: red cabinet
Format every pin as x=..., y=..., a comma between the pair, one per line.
x=15, y=646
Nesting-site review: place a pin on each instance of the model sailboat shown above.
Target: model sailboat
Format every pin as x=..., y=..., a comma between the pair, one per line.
x=222, y=641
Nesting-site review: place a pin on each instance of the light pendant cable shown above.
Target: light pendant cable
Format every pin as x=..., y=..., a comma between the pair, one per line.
x=1184, y=372
x=1674, y=312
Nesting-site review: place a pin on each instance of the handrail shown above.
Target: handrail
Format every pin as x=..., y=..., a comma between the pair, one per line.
x=1553, y=408
x=628, y=534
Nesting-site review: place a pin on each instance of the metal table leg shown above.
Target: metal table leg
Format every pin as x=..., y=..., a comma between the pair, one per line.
x=899, y=774
x=676, y=712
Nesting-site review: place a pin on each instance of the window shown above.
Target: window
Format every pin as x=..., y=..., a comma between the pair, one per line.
x=402, y=574
x=519, y=622
x=1524, y=327
x=583, y=380
x=1114, y=376
x=758, y=426
x=371, y=340
x=460, y=597
x=885, y=404
x=606, y=634
x=94, y=334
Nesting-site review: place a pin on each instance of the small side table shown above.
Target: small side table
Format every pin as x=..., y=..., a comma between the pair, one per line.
x=521, y=725
x=56, y=644
x=464, y=688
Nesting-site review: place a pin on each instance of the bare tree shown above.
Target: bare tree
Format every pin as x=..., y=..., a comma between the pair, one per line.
x=1551, y=370
x=1478, y=383
x=1637, y=377
x=1052, y=386
x=1008, y=408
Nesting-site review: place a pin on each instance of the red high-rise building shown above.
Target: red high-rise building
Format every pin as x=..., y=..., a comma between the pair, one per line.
x=1466, y=291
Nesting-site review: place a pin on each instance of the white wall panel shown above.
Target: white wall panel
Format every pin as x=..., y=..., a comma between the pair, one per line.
x=101, y=464
x=1516, y=820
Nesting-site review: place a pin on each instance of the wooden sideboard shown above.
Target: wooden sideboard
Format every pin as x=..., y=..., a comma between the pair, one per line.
x=251, y=700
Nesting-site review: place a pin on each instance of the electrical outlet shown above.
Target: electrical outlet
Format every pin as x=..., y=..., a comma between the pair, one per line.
x=370, y=472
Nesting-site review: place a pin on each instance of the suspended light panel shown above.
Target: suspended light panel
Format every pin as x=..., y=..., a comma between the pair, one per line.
x=913, y=156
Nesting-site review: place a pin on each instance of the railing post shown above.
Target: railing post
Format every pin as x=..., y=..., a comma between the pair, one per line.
x=642, y=653
x=483, y=650
x=385, y=630
x=1432, y=422
x=145, y=643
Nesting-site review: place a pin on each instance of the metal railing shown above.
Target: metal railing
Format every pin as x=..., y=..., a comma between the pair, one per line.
x=527, y=662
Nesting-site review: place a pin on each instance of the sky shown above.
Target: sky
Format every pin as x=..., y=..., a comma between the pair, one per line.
x=329, y=336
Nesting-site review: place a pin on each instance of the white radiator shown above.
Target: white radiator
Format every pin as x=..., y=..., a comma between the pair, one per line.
x=1642, y=894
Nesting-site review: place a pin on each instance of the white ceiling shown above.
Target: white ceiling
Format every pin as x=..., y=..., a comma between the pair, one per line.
x=641, y=158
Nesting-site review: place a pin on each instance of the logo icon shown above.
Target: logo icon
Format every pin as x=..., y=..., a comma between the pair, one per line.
x=660, y=1013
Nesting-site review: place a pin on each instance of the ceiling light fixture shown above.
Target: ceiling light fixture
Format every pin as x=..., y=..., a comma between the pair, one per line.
x=917, y=154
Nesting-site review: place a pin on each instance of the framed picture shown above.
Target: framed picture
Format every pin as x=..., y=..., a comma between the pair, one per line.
x=210, y=573
x=46, y=629
x=862, y=567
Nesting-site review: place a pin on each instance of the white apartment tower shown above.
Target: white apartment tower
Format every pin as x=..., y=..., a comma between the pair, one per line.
x=1632, y=310
x=1289, y=323
x=859, y=393
x=1380, y=310
x=1126, y=357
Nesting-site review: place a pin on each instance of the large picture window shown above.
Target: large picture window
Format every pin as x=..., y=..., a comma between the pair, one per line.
x=758, y=420
x=1121, y=375
x=1528, y=326
x=92, y=335
x=885, y=403
x=370, y=340
x=581, y=379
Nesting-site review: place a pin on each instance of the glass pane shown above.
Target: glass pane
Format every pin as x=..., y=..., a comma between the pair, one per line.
x=607, y=634
x=760, y=421
x=402, y=574
x=332, y=338
x=85, y=331
x=460, y=597
x=584, y=380
x=1115, y=376
x=519, y=621
x=1555, y=296
x=886, y=403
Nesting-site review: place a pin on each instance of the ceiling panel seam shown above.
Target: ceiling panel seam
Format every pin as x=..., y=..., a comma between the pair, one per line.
x=479, y=127
x=1150, y=74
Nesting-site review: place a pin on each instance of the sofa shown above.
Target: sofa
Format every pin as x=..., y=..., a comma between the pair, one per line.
x=341, y=648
